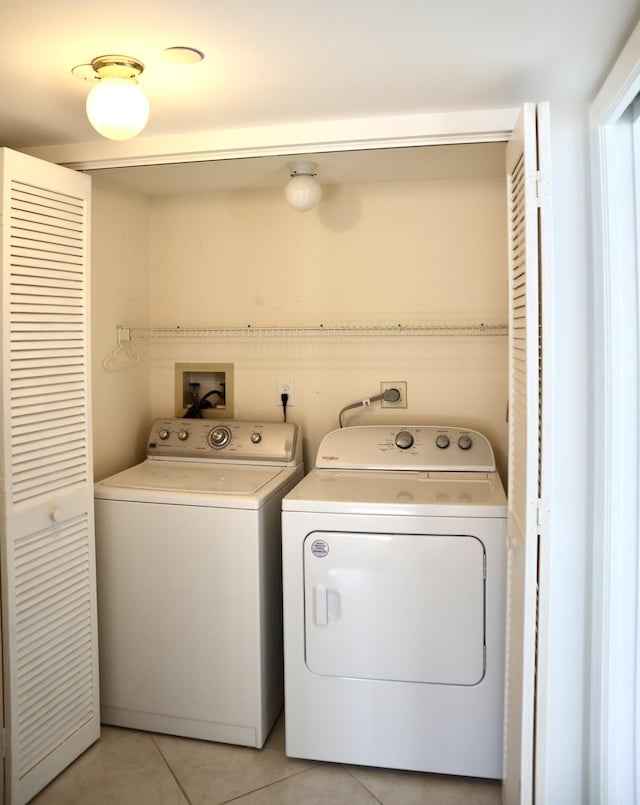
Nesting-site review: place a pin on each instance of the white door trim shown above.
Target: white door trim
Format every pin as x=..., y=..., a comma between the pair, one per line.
x=300, y=138
x=620, y=87
x=614, y=731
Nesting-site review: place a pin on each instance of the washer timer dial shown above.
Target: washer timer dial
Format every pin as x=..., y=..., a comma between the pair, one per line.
x=219, y=437
x=465, y=442
x=404, y=440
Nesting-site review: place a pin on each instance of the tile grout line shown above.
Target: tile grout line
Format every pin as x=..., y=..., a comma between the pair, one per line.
x=360, y=783
x=267, y=785
x=173, y=774
x=235, y=798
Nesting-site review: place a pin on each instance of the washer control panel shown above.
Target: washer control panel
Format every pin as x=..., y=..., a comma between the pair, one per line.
x=232, y=440
x=413, y=447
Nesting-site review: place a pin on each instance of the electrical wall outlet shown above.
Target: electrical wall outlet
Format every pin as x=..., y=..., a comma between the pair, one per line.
x=285, y=385
x=401, y=385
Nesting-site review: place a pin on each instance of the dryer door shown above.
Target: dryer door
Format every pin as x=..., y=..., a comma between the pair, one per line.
x=401, y=607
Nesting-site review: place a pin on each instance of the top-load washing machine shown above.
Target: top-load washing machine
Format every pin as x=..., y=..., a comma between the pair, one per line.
x=394, y=552
x=189, y=580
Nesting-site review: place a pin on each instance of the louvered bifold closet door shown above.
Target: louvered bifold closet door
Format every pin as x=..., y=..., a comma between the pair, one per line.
x=48, y=556
x=523, y=181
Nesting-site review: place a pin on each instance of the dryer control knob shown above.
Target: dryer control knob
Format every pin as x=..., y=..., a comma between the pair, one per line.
x=465, y=442
x=442, y=441
x=183, y=435
x=163, y=434
x=219, y=437
x=256, y=437
x=404, y=440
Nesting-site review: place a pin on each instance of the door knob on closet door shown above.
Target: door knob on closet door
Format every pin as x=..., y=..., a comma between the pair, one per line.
x=56, y=514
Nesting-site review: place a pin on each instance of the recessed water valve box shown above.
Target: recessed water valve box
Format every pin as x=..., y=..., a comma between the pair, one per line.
x=204, y=389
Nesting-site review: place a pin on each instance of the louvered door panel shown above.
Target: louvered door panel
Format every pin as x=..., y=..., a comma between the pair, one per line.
x=47, y=311
x=54, y=640
x=518, y=335
x=525, y=231
x=49, y=617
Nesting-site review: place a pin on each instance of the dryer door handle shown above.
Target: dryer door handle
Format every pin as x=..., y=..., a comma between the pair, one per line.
x=320, y=605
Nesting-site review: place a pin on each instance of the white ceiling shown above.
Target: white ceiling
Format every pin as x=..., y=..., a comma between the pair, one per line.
x=297, y=61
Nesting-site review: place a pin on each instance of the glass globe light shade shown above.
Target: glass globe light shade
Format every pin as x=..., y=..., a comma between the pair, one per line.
x=303, y=192
x=117, y=108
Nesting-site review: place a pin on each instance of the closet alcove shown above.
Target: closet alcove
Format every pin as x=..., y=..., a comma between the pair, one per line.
x=410, y=236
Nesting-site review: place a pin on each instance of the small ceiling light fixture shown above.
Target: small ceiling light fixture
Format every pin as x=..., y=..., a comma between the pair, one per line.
x=302, y=191
x=116, y=107
x=182, y=54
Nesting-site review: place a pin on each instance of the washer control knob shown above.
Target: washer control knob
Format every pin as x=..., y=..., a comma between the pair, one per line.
x=465, y=442
x=442, y=441
x=219, y=437
x=404, y=440
x=183, y=435
x=163, y=433
x=256, y=438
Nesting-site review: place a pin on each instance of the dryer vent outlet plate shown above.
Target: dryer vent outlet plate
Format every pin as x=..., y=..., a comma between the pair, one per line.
x=401, y=386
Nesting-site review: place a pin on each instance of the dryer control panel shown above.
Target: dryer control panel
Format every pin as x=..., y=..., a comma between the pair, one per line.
x=408, y=447
x=227, y=440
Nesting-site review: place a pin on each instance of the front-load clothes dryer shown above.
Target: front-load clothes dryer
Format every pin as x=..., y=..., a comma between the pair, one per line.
x=394, y=553
x=189, y=580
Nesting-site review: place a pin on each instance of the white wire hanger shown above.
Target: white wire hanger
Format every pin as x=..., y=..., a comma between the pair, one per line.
x=123, y=356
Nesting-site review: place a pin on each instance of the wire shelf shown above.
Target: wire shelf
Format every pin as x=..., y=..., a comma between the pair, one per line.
x=320, y=330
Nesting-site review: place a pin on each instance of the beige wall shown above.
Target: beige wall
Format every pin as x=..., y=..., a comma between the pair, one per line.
x=120, y=294
x=400, y=252
x=390, y=252
x=412, y=250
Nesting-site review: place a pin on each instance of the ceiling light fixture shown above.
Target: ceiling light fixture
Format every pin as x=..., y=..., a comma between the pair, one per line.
x=182, y=54
x=302, y=191
x=116, y=107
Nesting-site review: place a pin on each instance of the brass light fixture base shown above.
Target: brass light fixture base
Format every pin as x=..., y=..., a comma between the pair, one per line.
x=121, y=66
x=109, y=65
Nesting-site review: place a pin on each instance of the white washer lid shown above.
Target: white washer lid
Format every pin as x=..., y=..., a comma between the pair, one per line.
x=191, y=477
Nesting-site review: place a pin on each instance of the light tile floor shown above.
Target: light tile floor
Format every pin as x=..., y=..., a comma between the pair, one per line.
x=126, y=767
